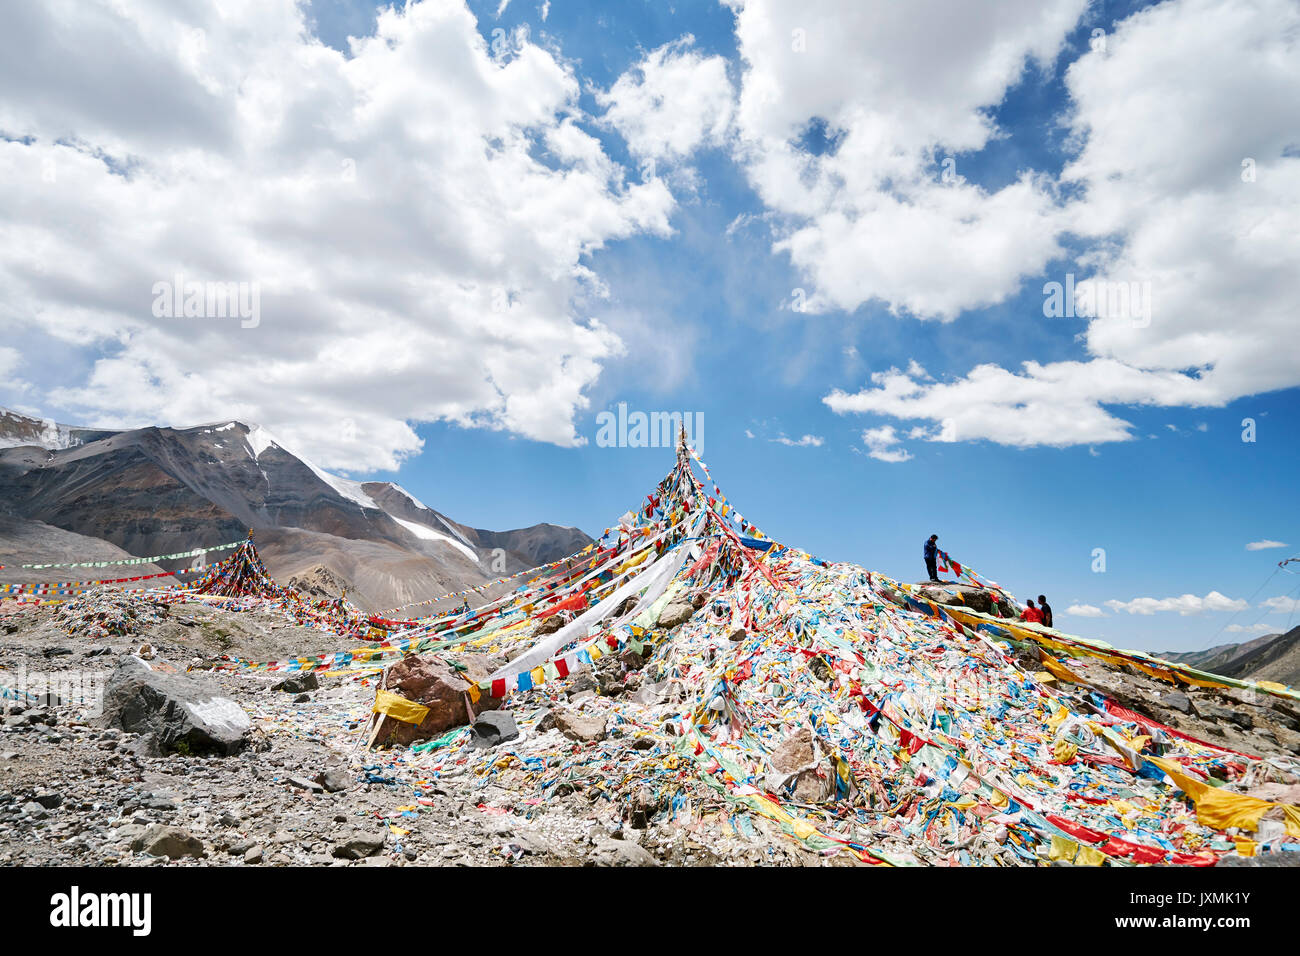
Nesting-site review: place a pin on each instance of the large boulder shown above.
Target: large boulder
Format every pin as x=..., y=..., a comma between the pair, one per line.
x=174, y=713
x=433, y=683
x=168, y=841
x=967, y=595
x=678, y=612
x=796, y=761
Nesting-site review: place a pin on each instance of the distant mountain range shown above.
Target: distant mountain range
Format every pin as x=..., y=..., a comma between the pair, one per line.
x=72, y=491
x=1274, y=657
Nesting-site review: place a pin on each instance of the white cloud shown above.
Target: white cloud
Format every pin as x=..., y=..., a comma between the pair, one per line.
x=1164, y=149
x=1184, y=605
x=1265, y=545
x=882, y=445
x=671, y=103
x=1281, y=604
x=896, y=89
x=1057, y=404
x=807, y=441
x=1085, y=610
x=1243, y=629
x=417, y=260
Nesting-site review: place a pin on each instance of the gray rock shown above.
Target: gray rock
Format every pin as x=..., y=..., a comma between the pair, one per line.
x=679, y=612
x=48, y=799
x=580, y=726
x=175, y=713
x=35, y=810
x=582, y=681
x=254, y=854
x=359, y=844
x=964, y=595
x=620, y=853
x=795, y=759
x=1177, y=700
x=549, y=625
x=335, y=780
x=302, y=783
x=652, y=693
x=492, y=728
x=168, y=841
x=298, y=683
x=1208, y=710
x=128, y=833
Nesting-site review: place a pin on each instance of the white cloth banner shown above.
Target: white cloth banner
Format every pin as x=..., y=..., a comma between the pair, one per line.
x=656, y=578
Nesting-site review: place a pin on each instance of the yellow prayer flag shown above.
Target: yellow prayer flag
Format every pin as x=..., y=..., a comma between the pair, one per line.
x=399, y=708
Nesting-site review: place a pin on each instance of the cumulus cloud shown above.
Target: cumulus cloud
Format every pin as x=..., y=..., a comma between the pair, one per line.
x=872, y=210
x=1265, y=545
x=1084, y=610
x=418, y=216
x=1286, y=604
x=1057, y=404
x=883, y=445
x=1244, y=629
x=1185, y=605
x=671, y=103
x=1182, y=195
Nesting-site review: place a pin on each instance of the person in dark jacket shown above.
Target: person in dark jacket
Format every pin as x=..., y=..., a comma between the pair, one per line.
x=1046, y=609
x=932, y=557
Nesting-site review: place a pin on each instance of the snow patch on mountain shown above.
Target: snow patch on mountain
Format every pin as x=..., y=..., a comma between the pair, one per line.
x=259, y=440
x=18, y=430
x=428, y=534
x=414, y=500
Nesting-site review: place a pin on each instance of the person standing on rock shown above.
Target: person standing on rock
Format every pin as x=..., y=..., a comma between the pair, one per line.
x=1031, y=614
x=1046, y=610
x=932, y=557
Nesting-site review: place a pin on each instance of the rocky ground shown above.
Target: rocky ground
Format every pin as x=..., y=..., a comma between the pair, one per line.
x=303, y=789
x=306, y=792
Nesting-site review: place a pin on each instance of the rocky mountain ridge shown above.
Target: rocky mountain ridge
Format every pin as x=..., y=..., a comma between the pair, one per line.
x=157, y=490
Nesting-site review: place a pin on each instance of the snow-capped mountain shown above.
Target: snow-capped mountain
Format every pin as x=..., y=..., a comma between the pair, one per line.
x=156, y=490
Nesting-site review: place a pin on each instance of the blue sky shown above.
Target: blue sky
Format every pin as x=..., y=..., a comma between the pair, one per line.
x=1142, y=456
